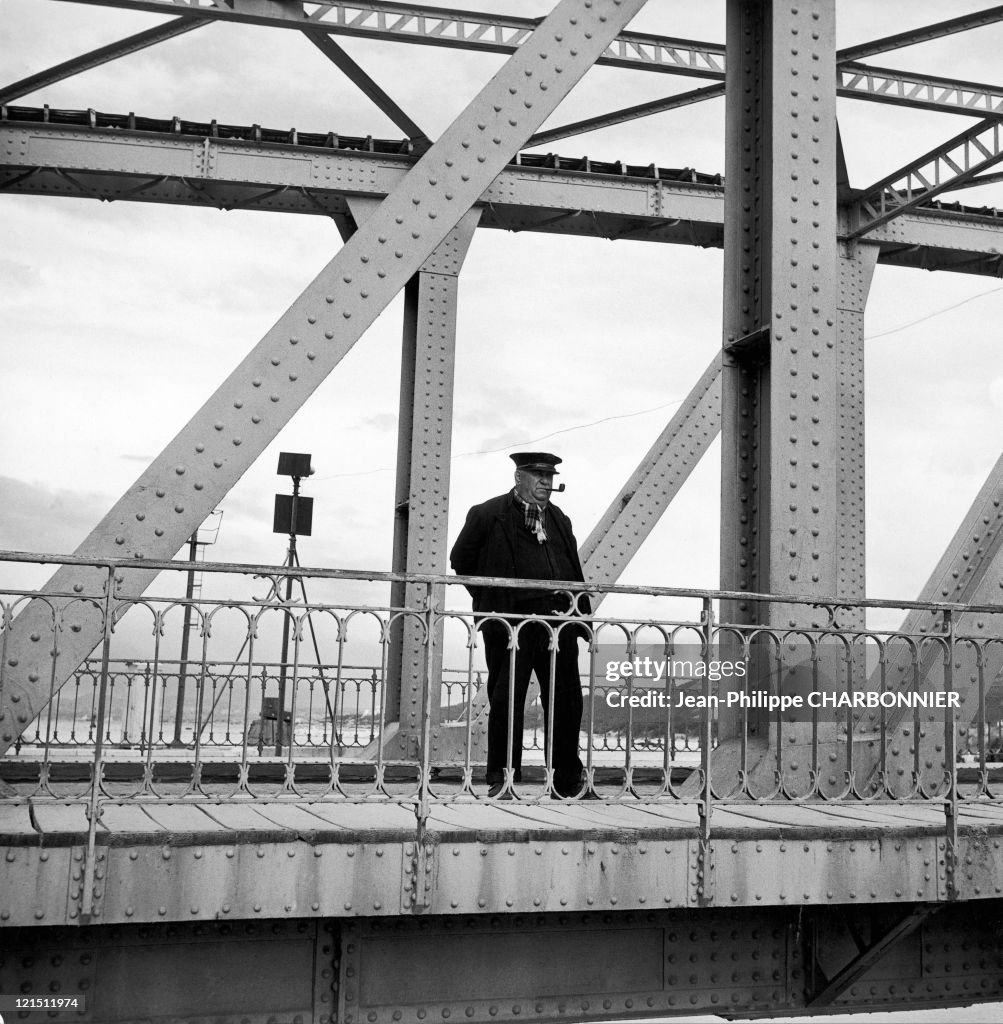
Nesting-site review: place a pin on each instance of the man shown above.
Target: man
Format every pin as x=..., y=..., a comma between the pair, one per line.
x=521, y=535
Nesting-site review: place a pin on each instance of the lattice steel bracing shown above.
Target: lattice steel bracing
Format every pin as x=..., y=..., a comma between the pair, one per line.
x=494, y=33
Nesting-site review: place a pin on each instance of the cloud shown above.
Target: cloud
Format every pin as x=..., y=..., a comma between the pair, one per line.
x=381, y=421
x=34, y=517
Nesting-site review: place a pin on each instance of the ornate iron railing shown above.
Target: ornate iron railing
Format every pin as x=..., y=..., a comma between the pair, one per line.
x=373, y=715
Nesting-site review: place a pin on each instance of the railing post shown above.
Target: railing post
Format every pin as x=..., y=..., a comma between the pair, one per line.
x=951, y=853
x=416, y=891
x=426, y=708
x=185, y=631
x=705, y=854
x=87, y=894
x=147, y=698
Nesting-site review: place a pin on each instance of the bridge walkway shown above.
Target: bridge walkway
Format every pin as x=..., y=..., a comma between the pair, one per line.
x=182, y=858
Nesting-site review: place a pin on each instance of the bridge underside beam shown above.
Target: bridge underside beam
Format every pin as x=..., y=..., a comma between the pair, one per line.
x=569, y=966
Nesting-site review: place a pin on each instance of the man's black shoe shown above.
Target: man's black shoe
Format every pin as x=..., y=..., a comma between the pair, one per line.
x=495, y=792
x=576, y=789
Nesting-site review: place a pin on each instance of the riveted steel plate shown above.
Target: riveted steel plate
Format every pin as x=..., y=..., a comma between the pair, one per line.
x=59, y=962
x=100, y=153
x=795, y=872
x=979, y=873
x=584, y=966
x=261, y=165
x=551, y=876
x=556, y=192
x=251, y=880
x=241, y=973
x=37, y=883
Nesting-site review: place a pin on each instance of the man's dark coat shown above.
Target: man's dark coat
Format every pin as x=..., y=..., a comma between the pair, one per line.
x=486, y=546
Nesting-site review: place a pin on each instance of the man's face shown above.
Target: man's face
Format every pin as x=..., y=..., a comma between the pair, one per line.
x=533, y=486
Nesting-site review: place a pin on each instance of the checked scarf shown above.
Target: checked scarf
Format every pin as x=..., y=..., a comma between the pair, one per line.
x=533, y=519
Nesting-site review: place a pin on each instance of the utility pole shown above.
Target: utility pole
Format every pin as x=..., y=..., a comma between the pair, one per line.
x=193, y=551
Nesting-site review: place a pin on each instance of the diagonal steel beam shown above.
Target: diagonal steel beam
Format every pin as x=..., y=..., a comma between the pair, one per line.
x=102, y=55
x=969, y=572
x=366, y=84
x=590, y=124
x=952, y=164
x=188, y=479
x=871, y=954
x=634, y=512
x=922, y=35
x=983, y=179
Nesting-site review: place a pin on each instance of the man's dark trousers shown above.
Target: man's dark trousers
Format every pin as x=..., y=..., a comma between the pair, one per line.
x=533, y=655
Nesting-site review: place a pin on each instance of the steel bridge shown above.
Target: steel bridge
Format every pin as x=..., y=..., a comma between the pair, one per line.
x=180, y=845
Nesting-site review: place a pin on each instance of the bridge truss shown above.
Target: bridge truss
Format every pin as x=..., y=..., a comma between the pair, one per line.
x=785, y=393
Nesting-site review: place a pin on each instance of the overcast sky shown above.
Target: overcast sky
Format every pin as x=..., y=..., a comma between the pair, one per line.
x=120, y=319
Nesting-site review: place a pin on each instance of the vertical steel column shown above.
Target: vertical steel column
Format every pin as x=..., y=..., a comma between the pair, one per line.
x=856, y=271
x=424, y=437
x=781, y=396
x=782, y=399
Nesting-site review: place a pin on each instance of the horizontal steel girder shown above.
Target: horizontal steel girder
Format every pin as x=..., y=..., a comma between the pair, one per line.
x=187, y=480
x=572, y=967
x=441, y=26
x=56, y=159
x=189, y=860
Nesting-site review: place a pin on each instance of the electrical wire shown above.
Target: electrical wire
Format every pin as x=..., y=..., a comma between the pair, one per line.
x=654, y=408
x=519, y=444
x=930, y=316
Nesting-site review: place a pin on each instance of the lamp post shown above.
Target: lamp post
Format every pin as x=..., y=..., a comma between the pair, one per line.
x=293, y=515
